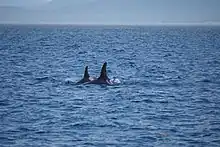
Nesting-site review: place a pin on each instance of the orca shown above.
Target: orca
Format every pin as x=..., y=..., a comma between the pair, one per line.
x=103, y=78
x=86, y=78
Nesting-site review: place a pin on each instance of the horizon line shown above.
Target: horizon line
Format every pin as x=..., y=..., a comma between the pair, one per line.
x=114, y=24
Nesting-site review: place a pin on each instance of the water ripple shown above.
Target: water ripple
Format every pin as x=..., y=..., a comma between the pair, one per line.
x=168, y=96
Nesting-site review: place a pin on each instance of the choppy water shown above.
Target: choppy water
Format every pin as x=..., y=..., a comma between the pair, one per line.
x=169, y=95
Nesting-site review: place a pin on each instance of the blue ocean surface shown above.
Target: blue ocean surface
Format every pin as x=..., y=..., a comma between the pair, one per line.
x=169, y=93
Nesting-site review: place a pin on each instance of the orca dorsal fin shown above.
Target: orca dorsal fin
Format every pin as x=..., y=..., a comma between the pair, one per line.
x=103, y=74
x=86, y=73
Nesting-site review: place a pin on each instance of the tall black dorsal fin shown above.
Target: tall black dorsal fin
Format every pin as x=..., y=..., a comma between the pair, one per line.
x=86, y=73
x=103, y=74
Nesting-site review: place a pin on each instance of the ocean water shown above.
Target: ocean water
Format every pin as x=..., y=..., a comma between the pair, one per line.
x=169, y=93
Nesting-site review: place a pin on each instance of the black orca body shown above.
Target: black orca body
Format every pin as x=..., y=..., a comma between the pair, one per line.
x=103, y=78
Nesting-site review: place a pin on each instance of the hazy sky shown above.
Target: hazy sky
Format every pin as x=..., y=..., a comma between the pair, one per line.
x=110, y=11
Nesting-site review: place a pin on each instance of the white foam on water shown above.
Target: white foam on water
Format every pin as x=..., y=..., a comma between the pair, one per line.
x=115, y=81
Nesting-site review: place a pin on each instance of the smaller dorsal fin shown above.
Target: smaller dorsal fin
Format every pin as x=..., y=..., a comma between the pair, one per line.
x=85, y=76
x=86, y=73
x=103, y=74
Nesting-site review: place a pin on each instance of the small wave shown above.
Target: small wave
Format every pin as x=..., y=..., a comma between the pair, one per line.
x=44, y=79
x=81, y=125
x=206, y=81
x=147, y=101
x=143, y=100
x=4, y=103
x=27, y=73
x=70, y=81
x=74, y=46
x=203, y=100
x=82, y=52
